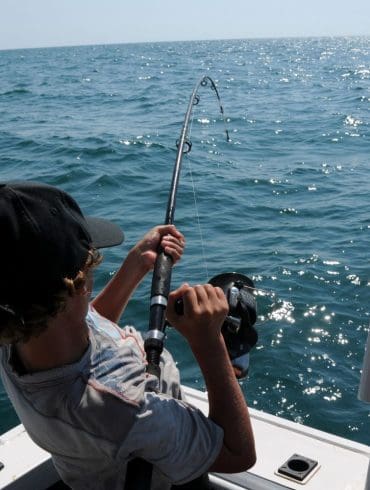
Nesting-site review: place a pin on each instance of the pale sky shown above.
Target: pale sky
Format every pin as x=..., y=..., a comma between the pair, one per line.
x=39, y=23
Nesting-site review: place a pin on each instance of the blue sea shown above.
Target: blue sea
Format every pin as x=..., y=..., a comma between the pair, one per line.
x=286, y=201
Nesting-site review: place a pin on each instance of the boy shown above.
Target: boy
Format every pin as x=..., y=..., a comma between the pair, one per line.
x=77, y=381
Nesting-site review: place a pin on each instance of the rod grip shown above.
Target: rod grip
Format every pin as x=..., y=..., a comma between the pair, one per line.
x=161, y=280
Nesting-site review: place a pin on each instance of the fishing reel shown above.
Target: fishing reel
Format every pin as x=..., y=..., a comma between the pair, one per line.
x=239, y=334
x=238, y=331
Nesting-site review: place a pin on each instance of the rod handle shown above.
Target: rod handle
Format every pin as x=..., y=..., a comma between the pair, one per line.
x=161, y=280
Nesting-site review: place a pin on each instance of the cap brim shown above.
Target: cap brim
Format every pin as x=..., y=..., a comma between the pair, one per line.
x=104, y=233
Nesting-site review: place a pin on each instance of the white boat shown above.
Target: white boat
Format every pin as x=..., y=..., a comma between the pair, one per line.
x=315, y=459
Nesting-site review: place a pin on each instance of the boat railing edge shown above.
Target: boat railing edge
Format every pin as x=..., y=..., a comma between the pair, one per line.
x=296, y=427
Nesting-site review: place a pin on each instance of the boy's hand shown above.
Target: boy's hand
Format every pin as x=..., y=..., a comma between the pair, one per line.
x=166, y=236
x=205, y=310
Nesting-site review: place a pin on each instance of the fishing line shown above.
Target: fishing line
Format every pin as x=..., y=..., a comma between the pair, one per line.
x=256, y=291
x=203, y=83
x=196, y=207
x=202, y=243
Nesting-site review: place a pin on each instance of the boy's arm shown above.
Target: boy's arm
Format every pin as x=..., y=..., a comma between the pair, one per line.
x=205, y=309
x=112, y=300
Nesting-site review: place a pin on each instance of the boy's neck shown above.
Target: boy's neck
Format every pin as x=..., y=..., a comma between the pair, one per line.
x=63, y=342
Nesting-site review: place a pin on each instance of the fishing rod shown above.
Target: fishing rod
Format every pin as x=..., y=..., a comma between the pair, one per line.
x=161, y=279
x=139, y=471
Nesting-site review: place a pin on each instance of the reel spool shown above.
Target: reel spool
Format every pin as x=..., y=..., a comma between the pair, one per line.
x=237, y=329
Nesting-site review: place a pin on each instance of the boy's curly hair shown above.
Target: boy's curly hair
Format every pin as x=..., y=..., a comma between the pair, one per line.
x=33, y=320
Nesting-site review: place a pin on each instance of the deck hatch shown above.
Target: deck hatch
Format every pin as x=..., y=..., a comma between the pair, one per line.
x=297, y=467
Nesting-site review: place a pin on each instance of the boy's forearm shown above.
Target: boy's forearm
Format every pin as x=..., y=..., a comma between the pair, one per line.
x=112, y=300
x=227, y=407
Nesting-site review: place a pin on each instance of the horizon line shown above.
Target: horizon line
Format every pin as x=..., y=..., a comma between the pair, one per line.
x=118, y=43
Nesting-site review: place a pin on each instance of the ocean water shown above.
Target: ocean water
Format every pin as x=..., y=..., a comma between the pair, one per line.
x=285, y=202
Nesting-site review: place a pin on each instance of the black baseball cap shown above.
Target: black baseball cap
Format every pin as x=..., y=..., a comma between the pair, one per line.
x=44, y=237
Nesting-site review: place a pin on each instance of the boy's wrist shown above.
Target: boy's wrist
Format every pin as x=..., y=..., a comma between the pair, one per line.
x=201, y=344
x=135, y=259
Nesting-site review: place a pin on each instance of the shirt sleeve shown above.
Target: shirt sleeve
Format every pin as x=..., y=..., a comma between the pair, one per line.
x=178, y=439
